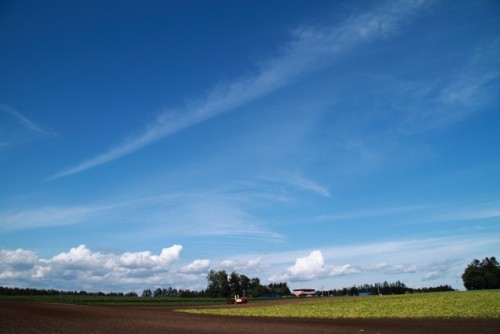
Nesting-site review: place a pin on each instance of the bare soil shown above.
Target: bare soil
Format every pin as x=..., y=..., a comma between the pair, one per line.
x=31, y=317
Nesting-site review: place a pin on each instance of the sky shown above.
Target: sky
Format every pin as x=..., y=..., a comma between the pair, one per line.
x=322, y=143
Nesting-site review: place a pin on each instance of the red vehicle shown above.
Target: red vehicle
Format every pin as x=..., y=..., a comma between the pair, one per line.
x=238, y=300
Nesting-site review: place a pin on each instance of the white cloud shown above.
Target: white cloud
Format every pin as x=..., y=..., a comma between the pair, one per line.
x=18, y=257
x=474, y=83
x=48, y=216
x=413, y=261
x=147, y=260
x=403, y=268
x=449, y=99
x=308, y=267
x=25, y=121
x=386, y=254
x=197, y=266
x=392, y=269
x=380, y=266
x=440, y=269
x=197, y=213
x=475, y=211
x=209, y=214
x=79, y=258
x=346, y=269
x=242, y=265
x=361, y=213
x=313, y=267
x=82, y=268
x=309, y=185
x=15, y=264
x=311, y=49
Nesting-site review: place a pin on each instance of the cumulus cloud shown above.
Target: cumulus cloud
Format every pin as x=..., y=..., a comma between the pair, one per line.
x=238, y=265
x=148, y=260
x=197, y=266
x=16, y=264
x=346, y=269
x=312, y=267
x=18, y=258
x=308, y=267
x=82, y=268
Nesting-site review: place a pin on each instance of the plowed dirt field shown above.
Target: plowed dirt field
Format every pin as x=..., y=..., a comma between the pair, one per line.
x=31, y=317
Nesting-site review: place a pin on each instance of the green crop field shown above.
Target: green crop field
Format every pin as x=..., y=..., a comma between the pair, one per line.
x=470, y=304
x=117, y=300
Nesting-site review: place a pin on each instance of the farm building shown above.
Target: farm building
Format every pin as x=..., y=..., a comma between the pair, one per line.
x=304, y=292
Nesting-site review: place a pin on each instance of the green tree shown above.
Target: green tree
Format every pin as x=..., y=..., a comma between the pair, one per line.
x=158, y=293
x=280, y=288
x=147, y=293
x=245, y=285
x=483, y=274
x=256, y=289
x=218, y=285
x=235, y=284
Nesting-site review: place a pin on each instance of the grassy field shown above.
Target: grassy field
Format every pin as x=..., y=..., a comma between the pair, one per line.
x=470, y=304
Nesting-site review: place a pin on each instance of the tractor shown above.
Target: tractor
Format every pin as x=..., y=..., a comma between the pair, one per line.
x=238, y=300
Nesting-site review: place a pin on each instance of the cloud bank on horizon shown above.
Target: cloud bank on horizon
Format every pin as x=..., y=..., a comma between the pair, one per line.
x=82, y=268
x=332, y=145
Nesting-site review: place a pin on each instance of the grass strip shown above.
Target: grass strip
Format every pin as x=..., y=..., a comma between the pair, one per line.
x=116, y=300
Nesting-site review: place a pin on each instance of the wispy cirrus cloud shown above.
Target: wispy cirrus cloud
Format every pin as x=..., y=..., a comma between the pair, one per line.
x=48, y=216
x=371, y=213
x=297, y=181
x=190, y=213
x=477, y=82
x=25, y=121
x=19, y=127
x=408, y=105
x=311, y=48
x=473, y=211
x=473, y=86
x=309, y=185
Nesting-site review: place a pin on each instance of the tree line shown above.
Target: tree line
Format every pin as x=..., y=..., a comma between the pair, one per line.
x=6, y=291
x=385, y=288
x=172, y=292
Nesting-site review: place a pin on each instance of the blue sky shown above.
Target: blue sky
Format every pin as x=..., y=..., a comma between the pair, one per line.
x=320, y=143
